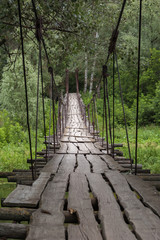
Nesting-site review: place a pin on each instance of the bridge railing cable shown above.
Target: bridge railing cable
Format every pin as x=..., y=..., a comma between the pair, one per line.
x=26, y=90
x=138, y=80
x=107, y=126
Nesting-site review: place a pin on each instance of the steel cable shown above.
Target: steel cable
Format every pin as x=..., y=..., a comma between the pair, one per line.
x=26, y=90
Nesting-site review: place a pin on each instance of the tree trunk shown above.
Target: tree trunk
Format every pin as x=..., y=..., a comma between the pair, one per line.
x=86, y=73
x=94, y=64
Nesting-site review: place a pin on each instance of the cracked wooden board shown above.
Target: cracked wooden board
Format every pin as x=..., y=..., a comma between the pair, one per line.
x=113, y=223
x=28, y=196
x=144, y=222
x=98, y=165
x=79, y=201
x=150, y=196
x=47, y=221
x=53, y=165
x=83, y=165
x=68, y=164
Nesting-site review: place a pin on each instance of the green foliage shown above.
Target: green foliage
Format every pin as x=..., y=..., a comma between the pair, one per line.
x=148, y=145
x=10, y=132
x=12, y=93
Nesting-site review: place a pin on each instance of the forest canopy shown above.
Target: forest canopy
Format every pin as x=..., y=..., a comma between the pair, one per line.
x=77, y=35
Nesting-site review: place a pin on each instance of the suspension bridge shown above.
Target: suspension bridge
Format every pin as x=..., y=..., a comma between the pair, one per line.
x=81, y=192
x=80, y=186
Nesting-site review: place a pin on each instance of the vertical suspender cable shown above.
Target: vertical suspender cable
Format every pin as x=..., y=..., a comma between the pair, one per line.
x=37, y=110
x=43, y=103
x=25, y=83
x=89, y=118
x=124, y=115
x=138, y=80
x=113, y=103
x=50, y=119
x=109, y=115
x=103, y=126
x=93, y=119
x=104, y=99
x=53, y=109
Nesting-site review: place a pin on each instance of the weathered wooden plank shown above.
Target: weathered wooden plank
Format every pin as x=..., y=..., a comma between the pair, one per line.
x=63, y=148
x=97, y=145
x=87, y=139
x=16, y=214
x=74, y=232
x=80, y=140
x=83, y=165
x=111, y=163
x=82, y=149
x=148, y=193
x=12, y=230
x=93, y=149
x=72, y=139
x=79, y=200
x=64, y=139
x=48, y=232
x=113, y=224
x=28, y=196
x=98, y=165
x=47, y=221
x=139, y=166
x=144, y=222
x=72, y=148
x=53, y=164
x=68, y=163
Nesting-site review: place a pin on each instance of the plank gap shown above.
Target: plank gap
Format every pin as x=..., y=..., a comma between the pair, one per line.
x=66, y=233
x=126, y=220
x=76, y=164
x=91, y=165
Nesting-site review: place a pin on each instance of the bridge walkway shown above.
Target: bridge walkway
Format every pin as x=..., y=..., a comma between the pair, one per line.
x=83, y=194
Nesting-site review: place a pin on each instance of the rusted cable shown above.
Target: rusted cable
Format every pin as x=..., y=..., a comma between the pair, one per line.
x=105, y=107
x=26, y=90
x=124, y=114
x=113, y=103
x=37, y=110
x=138, y=80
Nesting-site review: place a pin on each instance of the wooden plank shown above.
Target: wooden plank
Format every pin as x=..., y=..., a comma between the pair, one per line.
x=74, y=232
x=83, y=165
x=63, y=148
x=144, y=222
x=93, y=149
x=113, y=224
x=53, y=164
x=87, y=139
x=64, y=139
x=80, y=140
x=68, y=163
x=12, y=230
x=98, y=166
x=79, y=200
x=97, y=145
x=111, y=163
x=72, y=139
x=16, y=214
x=28, y=196
x=82, y=148
x=149, y=195
x=47, y=221
x=72, y=148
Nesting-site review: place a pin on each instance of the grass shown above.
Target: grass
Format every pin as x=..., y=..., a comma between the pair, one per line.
x=14, y=156
x=148, y=145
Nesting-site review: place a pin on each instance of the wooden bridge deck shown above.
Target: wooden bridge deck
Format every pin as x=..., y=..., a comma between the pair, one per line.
x=81, y=193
